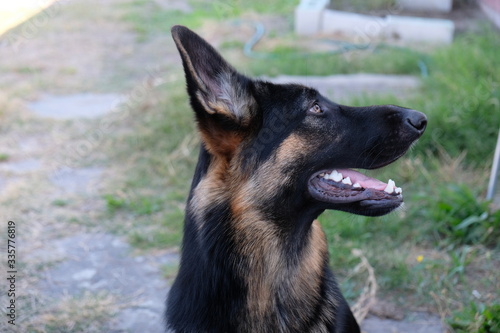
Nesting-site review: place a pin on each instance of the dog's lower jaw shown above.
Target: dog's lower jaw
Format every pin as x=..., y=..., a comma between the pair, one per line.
x=361, y=200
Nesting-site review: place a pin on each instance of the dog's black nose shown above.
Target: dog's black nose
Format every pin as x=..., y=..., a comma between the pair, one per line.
x=417, y=120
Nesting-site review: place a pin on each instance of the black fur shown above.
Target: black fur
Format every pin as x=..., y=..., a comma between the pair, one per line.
x=253, y=258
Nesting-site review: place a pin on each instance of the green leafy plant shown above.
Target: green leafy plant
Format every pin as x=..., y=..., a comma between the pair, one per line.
x=476, y=318
x=491, y=323
x=60, y=203
x=114, y=203
x=139, y=205
x=460, y=217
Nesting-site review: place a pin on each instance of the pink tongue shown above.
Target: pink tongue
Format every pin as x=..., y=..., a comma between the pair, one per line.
x=363, y=180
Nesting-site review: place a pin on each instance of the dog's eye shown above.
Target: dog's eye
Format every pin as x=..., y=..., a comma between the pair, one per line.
x=315, y=109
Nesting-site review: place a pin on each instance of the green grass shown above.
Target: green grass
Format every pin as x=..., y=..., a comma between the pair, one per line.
x=476, y=318
x=28, y=70
x=60, y=203
x=138, y=205
x=148, y=18
x=170, y=271
x=295, y=61
x=462, y=97
x=114, y=203
x=460, y=217
x=158, y=160
x=363, y=5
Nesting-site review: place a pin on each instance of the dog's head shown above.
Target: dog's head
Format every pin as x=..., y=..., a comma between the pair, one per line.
x=286, y=148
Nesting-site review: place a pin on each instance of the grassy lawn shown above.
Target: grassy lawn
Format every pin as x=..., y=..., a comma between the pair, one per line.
x=440, y=252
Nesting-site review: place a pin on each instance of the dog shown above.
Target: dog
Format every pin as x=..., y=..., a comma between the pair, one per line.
x=273, y=157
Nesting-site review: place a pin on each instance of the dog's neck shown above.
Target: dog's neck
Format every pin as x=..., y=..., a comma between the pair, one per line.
x=256, y=198
x=264, y=240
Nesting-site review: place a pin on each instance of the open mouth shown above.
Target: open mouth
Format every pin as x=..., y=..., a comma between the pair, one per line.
x=345, y=186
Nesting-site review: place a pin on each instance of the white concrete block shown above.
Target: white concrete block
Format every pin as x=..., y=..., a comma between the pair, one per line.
x=443, y=6
x=363, y=27
x=415, y=29
x=490, y=11
x=308, y=16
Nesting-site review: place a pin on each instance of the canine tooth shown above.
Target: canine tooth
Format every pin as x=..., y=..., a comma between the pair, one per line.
x=336, y=176
x=390, y=186
x=356, y=185
x=398, y=190
x=347, y=181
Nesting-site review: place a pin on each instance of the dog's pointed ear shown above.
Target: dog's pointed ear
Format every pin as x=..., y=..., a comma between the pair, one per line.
x=212, y=82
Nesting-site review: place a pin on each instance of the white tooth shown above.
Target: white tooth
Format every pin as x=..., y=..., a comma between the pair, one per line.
x=391, y=182
x=398, y=190
x=356, y=185
x=322, y=174
x=336, y=176
x=347, y=181
x=390, y=187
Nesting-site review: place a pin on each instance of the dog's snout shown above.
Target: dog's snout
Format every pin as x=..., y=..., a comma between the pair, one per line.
x=417, y=120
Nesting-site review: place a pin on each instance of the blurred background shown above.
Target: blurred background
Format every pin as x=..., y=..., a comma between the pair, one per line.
x=98, y=147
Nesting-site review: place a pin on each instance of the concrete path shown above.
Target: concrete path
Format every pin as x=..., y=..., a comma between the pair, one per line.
x=104, y=262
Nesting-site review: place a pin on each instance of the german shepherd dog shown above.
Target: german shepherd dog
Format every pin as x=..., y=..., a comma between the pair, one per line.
x=273, y=157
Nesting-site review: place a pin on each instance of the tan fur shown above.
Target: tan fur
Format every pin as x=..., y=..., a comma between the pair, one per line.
x=270, y=276
x=210, y=191
x=220, y=144
x=271, y=175
x=261, y=243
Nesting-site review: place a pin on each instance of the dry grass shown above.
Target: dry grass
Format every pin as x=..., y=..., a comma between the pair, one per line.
x=89, y=313
x=368, y=296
